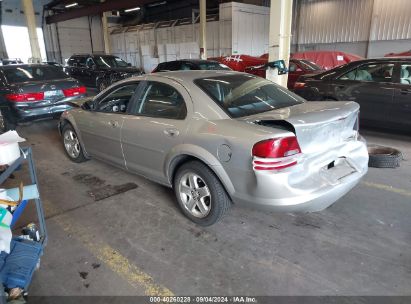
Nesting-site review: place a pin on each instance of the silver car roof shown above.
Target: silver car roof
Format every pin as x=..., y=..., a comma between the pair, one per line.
x=189, y=76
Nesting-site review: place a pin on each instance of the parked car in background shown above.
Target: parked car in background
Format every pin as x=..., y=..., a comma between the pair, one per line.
x=7, y=61
x=189, y=64
x=99, y=71
x=53, y=63
x=257, y=66
x=381, y=86
x=32, y=91
x=402, y=54
x=327, y=59
x=219, y=137
x=299, y=67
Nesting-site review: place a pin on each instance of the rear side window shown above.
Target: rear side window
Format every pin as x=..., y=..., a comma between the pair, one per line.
x=244, y=95
x=33, y=73
x=161, y=100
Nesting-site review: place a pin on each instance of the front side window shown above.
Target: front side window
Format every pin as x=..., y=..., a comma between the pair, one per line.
x=405, y=74
x=161, y=100
x=371, y=72
x=33, y=73
x=244, y=95
x=292, y=67
x=117, y=101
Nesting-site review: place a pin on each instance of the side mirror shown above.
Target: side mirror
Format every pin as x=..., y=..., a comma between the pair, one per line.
x=279, y=65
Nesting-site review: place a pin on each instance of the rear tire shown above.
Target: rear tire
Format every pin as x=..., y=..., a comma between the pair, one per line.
x=71, y=144
x=200, y=194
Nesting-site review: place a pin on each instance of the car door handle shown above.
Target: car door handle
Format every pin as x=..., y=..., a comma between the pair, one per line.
x=405, y=91
x=171, y=132
x=113, y=123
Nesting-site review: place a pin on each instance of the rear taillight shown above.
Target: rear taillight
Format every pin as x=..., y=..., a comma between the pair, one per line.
x=25, y=97
x=74, y=91
x=275, y=153
x=299, y=85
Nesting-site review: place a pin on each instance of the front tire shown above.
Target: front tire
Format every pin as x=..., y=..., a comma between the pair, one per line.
x=71, y=144
x=7, y=121
x=200, y=194
x=102, y=85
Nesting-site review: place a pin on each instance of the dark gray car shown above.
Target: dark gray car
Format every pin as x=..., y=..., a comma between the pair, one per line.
x=99, y=71
x=381, y=86
x=33, y=91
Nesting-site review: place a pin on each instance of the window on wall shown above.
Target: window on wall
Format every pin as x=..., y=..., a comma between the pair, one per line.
x=20, y=48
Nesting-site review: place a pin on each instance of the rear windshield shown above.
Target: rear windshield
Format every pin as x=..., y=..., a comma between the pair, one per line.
x=243, y=95
x=110, y=62
x=34, y=73
x=212, y=66
x=309, y=66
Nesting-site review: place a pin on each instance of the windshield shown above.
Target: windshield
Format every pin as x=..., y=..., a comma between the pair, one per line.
x=110, y=62
x=309, y=66
x=33, y=73
x=213, y=66
x=244, y=95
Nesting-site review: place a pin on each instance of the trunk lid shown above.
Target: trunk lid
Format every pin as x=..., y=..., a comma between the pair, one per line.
x=317, y=125
x=53, y=89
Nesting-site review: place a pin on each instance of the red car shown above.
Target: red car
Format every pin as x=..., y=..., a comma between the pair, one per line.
x=298, y=67
x=255, y=66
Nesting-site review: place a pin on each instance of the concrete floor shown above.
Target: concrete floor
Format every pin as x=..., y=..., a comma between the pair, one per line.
x=138, y=243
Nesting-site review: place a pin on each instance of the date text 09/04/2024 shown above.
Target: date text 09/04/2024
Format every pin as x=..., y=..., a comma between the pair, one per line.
x=203, y=299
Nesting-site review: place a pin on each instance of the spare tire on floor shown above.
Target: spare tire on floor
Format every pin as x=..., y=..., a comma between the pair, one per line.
x=384, y=157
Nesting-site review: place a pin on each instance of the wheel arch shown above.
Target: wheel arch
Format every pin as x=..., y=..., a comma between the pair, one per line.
x=63, y=122
x=178, y=159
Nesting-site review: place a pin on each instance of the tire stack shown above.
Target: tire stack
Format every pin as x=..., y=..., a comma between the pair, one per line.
x=384, y=157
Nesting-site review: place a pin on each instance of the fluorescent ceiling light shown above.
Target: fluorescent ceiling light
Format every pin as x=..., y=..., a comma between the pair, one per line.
x=71, y=4
x=132, y=9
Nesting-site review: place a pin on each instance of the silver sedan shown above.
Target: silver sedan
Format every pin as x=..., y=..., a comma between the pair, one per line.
x=222, y=137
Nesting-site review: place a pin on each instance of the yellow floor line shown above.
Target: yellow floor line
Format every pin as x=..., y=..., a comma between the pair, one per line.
x=109, y=256
x=387, y=188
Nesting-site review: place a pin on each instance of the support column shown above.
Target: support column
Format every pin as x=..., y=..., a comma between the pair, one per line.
x=279, y=37
x=106, y=34
x=203, y=32
x=31, y=26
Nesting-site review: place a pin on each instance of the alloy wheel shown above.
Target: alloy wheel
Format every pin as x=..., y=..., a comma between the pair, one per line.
x=195, y=195
x=71, y=143
x=102, y=86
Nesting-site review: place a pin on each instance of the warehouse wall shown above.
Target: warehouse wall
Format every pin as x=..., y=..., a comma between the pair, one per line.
x=369, y=28
x=12, y=14
x=241, y=29
x=80, y=35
